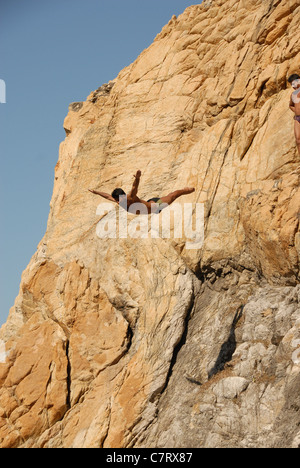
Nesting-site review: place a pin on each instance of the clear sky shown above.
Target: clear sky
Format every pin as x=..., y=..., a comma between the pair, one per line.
x=53, y=52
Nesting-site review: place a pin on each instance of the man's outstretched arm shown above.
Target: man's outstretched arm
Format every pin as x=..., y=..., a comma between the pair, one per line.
x=103, y=195
x=135, y=186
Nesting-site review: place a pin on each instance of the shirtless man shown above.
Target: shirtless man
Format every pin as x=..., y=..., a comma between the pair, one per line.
x=154, y=205
x=295, y=106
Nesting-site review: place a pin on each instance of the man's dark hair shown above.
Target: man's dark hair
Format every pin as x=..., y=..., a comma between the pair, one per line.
x=117, y=193
x=293, y=77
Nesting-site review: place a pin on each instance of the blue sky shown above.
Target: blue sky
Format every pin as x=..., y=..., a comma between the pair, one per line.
x=53, y=52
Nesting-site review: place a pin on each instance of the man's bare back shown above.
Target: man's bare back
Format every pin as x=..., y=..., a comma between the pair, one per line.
x=154, y=205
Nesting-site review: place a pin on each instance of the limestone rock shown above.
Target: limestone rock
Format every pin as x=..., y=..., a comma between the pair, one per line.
x=130, y=341
x=230, y=387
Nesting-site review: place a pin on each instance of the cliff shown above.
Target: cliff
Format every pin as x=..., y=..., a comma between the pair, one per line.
x=145, y=342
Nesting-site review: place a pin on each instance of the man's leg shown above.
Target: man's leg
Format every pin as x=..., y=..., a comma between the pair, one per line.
x=174, y=195
x=297, y=134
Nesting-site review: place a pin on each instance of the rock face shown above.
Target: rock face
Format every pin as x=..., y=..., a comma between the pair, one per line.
x=144, y=342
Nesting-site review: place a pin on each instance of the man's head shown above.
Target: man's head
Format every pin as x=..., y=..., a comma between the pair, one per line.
x=294, y=80
x=118, y=193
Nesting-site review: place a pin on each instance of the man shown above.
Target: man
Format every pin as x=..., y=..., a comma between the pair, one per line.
x=154, y=205
x=294, y=80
